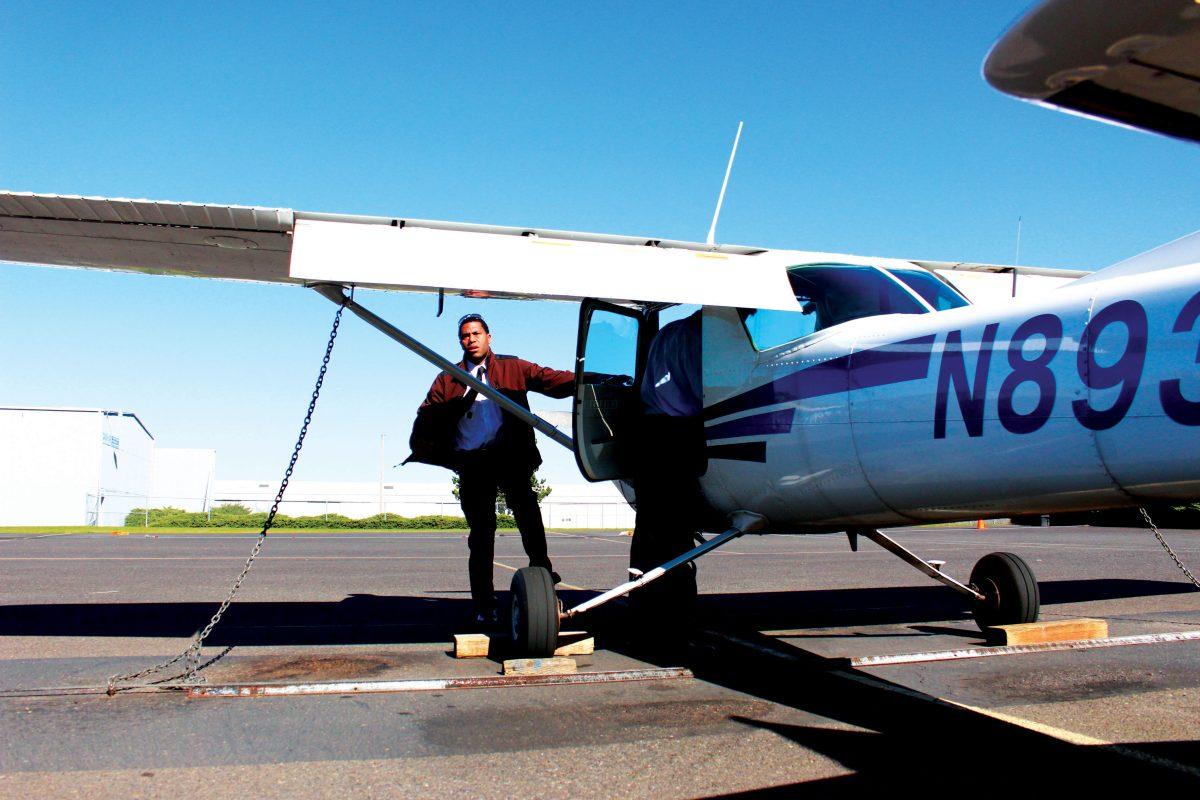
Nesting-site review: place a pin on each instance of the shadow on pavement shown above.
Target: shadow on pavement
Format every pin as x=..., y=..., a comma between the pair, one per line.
x=925, y=749
x=379, y=619
x=901, y=741
x=831, y=608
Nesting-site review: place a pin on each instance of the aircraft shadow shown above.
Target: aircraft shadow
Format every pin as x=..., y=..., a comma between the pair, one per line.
x=916, y=750
x=380, y=619
x=830, y=608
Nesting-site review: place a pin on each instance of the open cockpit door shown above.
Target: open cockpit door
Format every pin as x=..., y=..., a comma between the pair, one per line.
x=609, y=361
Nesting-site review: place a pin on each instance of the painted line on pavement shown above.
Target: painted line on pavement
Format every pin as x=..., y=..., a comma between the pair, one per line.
x=563, y=584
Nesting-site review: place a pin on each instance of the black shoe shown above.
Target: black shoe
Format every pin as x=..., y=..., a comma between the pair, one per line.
x=555, y=578
x=486, y=620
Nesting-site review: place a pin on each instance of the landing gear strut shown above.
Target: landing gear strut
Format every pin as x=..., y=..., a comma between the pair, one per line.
x=536, y=613
x=1002, y=588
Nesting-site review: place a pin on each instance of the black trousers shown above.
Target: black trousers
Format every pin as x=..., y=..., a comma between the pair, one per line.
x=666, y=481
x=480, y=474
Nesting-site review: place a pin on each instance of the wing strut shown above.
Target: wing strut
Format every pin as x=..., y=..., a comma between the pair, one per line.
x=337, y=294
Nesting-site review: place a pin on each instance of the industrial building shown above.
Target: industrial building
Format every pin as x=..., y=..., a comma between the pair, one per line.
x=72, y=466
x=89, y=466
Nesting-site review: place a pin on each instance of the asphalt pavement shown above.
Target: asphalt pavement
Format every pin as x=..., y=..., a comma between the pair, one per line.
x=773, y=704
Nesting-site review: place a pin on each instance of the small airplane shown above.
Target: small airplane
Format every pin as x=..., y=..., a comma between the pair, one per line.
x=841, y=393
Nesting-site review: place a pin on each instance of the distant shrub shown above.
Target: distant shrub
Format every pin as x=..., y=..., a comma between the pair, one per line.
x=230, y=509
x=178, y=518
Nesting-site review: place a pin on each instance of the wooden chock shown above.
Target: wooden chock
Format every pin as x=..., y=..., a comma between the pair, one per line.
x=472, y=645
x=539, y=666
x=575, y=643
x=1062, y=630
x=483, y=645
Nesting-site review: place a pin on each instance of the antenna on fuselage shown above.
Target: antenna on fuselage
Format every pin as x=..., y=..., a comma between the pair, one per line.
x=1017, y=258
x=712, y=231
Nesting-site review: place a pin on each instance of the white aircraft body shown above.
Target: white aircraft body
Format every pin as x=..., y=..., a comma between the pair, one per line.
x=841, y=393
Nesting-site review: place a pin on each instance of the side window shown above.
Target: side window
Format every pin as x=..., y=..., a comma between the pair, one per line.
x=611, y=345
x=932, y=289
x=768, y=328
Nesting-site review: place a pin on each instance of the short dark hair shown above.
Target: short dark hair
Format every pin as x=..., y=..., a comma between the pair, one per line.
x=465, y=318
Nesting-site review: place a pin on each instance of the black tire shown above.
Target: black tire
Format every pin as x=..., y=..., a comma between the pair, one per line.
x=1011, y=592
x=534, y=612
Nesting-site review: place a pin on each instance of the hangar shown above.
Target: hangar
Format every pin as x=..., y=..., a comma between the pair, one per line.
x=72, y=466
x=91, y=466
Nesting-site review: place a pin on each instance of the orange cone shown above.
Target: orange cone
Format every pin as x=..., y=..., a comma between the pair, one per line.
x=980, y=525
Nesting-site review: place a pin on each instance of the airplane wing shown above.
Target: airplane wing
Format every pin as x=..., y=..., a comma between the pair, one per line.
x=278, y=245
x=284, y=246
x=235, y=242
x=1131, y=63
x=987, y=283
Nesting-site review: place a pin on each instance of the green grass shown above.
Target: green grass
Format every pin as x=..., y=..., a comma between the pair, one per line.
x=134, y=530
x=125, y=530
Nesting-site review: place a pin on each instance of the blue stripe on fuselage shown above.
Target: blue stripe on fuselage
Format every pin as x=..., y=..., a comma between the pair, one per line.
x=753, y=425
x=891, y=363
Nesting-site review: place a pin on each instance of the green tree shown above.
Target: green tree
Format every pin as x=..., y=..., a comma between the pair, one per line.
x=540, y=488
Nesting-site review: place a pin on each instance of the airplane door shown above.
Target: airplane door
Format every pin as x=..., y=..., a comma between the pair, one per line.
x=609, y=361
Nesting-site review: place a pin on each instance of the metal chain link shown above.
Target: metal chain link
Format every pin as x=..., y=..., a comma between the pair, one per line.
x=1154, y=528
x=192, y=654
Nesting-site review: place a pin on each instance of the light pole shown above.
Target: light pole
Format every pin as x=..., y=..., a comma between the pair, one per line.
x=382, y=439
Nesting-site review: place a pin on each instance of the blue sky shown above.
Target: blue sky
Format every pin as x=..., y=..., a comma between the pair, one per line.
x=868, y=129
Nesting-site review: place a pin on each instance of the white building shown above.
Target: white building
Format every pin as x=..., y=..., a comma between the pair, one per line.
x=183, y=478
x=72, y=466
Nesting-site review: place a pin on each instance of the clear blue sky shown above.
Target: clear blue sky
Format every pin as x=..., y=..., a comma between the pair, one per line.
x=868, y=130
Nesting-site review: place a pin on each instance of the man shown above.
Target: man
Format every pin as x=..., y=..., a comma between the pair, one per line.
x=670, y=461
x=463, y=430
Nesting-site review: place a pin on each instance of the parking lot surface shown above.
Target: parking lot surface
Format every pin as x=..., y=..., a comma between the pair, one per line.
x=778, y=698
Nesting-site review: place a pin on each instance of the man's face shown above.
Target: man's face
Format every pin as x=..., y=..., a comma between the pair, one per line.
x=476, y=343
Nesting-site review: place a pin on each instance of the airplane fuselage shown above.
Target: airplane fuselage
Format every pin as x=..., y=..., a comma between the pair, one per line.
x=1083, y=397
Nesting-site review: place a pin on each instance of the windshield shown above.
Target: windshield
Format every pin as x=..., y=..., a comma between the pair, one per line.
x=931, y=288
x=829, y=294
x=838, y=293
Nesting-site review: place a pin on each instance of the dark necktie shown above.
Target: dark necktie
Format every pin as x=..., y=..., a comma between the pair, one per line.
x=483, y=377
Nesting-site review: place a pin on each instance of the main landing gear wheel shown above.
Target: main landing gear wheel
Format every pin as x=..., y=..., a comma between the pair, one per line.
x=534, y=612
x=1010, y=591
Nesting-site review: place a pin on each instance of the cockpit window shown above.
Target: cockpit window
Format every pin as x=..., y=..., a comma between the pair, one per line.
x=829, y=294
x=931, y=288
x=838, y=293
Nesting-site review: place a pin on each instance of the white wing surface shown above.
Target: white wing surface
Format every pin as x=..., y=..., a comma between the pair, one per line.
x=280, y=245
x=499, y=265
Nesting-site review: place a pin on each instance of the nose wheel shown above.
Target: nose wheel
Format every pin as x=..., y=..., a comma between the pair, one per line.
x=1009, y=590
x=534, y=612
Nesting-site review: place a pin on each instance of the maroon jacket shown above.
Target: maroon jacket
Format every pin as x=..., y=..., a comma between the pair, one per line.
x=436, y=425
